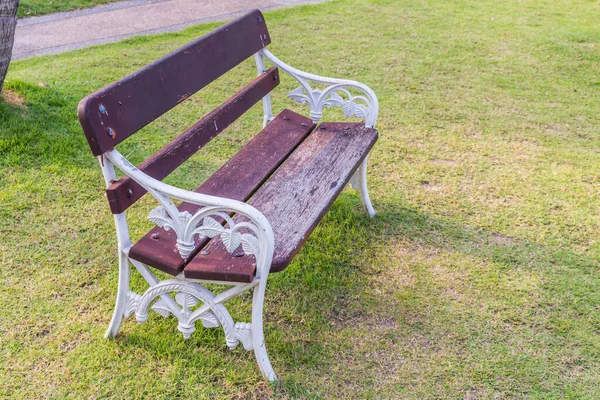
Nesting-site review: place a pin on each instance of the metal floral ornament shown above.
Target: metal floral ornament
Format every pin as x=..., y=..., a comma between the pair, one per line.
x=186, y=226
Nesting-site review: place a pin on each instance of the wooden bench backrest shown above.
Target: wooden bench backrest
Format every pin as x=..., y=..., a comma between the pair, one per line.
x=114, y=113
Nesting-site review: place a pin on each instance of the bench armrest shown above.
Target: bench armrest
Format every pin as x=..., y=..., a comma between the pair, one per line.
x=255, y=236
x=363, y=106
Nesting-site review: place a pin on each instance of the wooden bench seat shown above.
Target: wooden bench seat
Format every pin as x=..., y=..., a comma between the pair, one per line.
x=294, y=199
x=238, y=179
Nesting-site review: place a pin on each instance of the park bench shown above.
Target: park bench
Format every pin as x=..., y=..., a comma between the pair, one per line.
x=252, y=216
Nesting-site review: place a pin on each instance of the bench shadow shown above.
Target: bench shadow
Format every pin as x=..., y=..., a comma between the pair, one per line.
x=333, y=288
x=329, y=290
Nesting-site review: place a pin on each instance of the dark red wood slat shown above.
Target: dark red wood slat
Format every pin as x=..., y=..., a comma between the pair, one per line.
x=238, y=179
x=294, y=199
x=114, y=113
x=125, y=192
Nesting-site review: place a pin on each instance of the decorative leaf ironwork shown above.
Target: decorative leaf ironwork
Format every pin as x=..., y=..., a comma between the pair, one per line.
x=186, y=300
x=185, y=216
x=318, y=99
x=349, y=107
x=132, y=302
x=161, y=308
x=161, y=218
x=210, y=227
x=250, y=244
x=298, y=95
x=191, y=293
x=231, y=239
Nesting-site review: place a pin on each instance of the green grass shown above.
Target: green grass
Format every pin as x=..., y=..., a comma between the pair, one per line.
x=479, y=277
x=33, y=8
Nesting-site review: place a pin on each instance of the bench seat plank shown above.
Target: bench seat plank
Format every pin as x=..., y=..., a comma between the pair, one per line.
x=294, y=199
x=238, y=179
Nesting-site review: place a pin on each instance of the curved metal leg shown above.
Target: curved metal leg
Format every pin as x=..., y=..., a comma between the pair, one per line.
x=121, y=302
x=258, y=339
x=364, y=193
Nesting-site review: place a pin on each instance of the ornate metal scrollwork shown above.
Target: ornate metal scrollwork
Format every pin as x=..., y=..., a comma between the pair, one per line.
x=350, y=107
x=133, y=300
x=188, y=295
x=365, y=106
x=357, y=106
x=186, y=226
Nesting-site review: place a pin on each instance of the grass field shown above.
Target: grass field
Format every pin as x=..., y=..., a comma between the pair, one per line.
x=479, y=278
x=33, y=8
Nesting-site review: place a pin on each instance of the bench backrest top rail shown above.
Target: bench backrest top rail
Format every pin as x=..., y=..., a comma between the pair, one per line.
x=117, y=111
x=125, y=192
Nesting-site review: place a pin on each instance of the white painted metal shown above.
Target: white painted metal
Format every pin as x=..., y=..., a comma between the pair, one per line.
x=364, y=193
x=266, y=101
x=123, y=242
x=186, y=226
x=255, y=237
x=365, y=106
x=121, y=301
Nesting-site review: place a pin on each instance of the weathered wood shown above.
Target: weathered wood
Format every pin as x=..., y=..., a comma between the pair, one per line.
x=114, y=113
x=238, y=179
x=294, y=199
x=125, y=192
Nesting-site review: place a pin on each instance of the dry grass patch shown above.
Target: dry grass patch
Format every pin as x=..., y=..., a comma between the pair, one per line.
x=12, y=98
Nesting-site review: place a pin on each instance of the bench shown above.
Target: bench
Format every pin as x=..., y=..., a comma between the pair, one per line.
x=253, y=215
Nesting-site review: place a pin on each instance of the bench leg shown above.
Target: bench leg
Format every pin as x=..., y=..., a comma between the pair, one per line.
x=250, y=335
x=359, y=182
x=258, y=338
x=121, y=302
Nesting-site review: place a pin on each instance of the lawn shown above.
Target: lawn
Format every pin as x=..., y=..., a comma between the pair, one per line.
x=33, y=8
x=479, y=277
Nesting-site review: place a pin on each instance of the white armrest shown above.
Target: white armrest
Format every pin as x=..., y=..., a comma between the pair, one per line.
x=186, y=225
x=366, y=107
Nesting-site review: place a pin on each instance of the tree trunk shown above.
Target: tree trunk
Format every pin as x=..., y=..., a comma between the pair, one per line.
x=8, y=23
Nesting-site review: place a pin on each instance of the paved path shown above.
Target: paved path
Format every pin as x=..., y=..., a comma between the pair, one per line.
x=65, y=31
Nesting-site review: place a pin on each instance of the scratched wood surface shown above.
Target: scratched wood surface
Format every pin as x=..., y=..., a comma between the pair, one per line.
x=294, y=199
x=238, y=179
x=125, y=192
x=117, y=111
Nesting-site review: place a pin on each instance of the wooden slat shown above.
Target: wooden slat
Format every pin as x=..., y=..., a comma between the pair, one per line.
x=238, y=179
x=114, y=113
x=294, y=199
x=123, y=193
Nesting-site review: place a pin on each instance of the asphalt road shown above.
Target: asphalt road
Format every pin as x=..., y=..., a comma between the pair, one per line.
x=56, y=33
